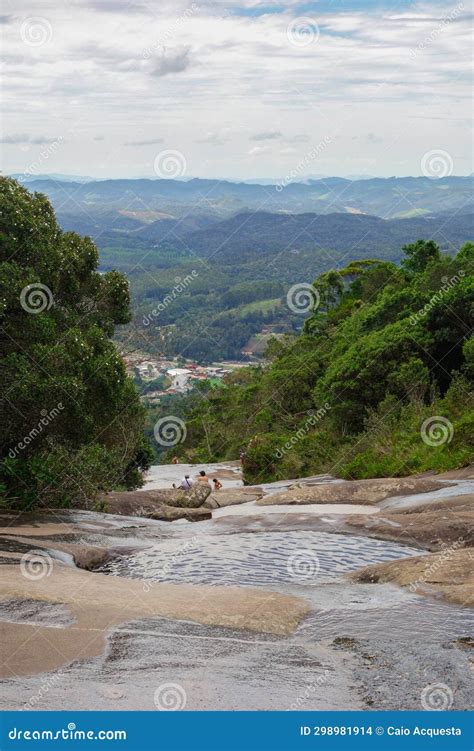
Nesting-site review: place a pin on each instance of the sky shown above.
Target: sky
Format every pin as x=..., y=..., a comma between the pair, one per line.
x=243, y=90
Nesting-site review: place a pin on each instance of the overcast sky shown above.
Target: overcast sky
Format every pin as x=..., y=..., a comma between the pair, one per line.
x=243, y=90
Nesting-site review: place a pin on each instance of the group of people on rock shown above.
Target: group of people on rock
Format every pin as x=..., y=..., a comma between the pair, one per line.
x=187, y=482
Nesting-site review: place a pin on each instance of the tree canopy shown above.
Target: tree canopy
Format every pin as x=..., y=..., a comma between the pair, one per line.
x=387, y=348
x=72, y=422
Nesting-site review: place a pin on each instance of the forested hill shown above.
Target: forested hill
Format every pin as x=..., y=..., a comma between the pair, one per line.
x=252, y=235
x=386, y=197
x=244, y=259
x=379, y=383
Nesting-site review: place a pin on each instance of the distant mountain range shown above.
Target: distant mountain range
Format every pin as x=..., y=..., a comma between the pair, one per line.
x=251, y=235
x=145, y=201
x=247, y=244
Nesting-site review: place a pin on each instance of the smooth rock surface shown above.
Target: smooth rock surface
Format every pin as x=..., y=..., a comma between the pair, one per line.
x=354, y=491
x=449, y=573
x=233, y=497
x=97, y=602
x=139, y=503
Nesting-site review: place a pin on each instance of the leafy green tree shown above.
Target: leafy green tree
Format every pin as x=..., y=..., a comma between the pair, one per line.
x=388, y=349
x=419, y=254
x=72, y=419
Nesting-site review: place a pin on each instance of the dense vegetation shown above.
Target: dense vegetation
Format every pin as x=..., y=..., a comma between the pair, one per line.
x=239, y=272
x=387, y=349
x=72, y=422
x=247, y=244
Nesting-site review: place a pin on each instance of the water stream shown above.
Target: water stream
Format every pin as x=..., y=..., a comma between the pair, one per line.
x=361, y=645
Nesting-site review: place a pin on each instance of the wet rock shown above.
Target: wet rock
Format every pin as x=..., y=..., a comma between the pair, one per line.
x=432, y=529
x=171, y=514
x=449, y=573
x=211, y=503
x=99, y=602
x=465, y=642
x=233, y=497
x=89, y=558
x=345, y=642
x=354, y=491
x=141, y=503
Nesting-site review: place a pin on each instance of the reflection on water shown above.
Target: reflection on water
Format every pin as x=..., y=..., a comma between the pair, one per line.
x=248, y=559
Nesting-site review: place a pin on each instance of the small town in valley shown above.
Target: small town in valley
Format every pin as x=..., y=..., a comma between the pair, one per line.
x=158, y=376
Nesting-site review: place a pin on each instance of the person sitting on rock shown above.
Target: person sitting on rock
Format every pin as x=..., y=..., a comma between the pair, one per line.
x=217, y=484
x=202, y=477
x=186, y=482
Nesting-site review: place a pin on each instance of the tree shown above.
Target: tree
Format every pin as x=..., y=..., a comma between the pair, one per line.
x=72, y=419
x=419, y=254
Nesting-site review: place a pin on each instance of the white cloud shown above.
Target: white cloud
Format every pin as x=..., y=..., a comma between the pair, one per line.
x=268, y=135
x=173, y=61
x=204, y=78
x=22, y=138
